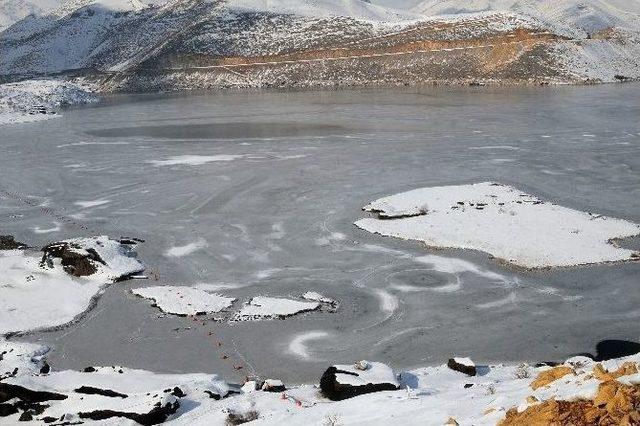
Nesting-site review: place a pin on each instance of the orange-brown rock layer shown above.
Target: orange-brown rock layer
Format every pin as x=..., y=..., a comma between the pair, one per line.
x=614, y=404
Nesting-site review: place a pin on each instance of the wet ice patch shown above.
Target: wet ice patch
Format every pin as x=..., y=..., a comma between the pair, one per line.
x=272, y=307
x=513, y=226
x=180, y=300
x=194, y=160
x=331, y=238
x=180, y=251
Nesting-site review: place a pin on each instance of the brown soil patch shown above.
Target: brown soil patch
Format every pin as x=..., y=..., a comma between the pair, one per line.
x=615, y=404
x=550, y=376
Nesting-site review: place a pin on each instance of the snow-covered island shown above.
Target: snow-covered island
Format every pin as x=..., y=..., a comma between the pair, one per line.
x=509, y=224
x=55, y=286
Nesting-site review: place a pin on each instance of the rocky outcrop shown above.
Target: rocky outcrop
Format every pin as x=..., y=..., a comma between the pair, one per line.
x=551, y=375
x=7, y=242
x=614, y=404
x=75, y=261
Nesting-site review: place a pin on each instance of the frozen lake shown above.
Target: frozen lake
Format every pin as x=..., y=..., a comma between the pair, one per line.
x=257, y=192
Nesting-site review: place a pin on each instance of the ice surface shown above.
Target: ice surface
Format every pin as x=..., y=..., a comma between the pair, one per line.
x=509, y=224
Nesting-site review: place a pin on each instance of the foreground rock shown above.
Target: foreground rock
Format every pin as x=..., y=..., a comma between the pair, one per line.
x=463, y=365
x=345, y=381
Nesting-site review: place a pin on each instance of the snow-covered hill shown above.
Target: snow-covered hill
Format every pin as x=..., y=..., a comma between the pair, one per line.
x=12, y=11
x=591, y=15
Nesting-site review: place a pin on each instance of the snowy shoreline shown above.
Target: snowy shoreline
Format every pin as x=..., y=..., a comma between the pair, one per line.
x=37, y=100
x=460, y=392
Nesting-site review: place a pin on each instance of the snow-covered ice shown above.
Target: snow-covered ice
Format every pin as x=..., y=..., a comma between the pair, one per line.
x=513, y=226
x=272, y=307
x=182, y=300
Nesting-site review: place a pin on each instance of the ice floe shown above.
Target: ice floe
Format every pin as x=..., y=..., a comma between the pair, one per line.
x=41, y=291
x=511, y=225
x=181, y=300
x=271, y=307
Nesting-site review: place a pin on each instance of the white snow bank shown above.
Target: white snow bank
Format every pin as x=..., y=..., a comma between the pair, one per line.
x=194, y=160
x=503, y=221
x=180, y=300
x=35, y=100
x=271, y=307
x=37, y=296
x=131, y=391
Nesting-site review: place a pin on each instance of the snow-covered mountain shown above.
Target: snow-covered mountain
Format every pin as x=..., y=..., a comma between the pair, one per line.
x=589, y=15
x=186, y=44
x=12, y=11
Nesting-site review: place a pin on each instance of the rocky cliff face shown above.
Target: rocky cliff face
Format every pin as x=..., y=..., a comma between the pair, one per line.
x=194, y=44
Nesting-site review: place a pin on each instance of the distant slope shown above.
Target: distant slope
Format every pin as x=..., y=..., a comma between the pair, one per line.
x=12, y=11
x=588, y=15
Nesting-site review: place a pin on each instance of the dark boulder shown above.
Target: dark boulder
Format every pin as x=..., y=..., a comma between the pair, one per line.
x=342, y=381
x=462, y=365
